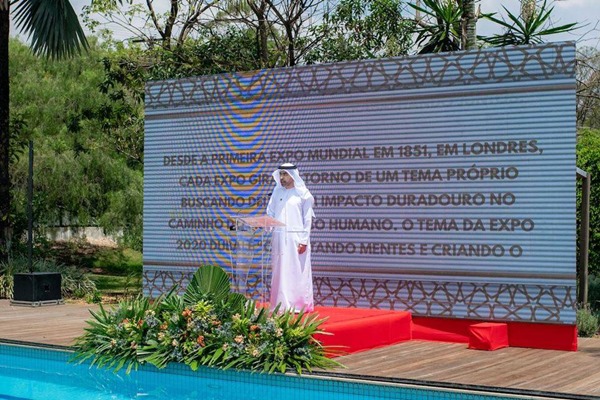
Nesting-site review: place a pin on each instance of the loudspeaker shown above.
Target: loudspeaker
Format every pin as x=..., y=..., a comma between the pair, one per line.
x=37, y=287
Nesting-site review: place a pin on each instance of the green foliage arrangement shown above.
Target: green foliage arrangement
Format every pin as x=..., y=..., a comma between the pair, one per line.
x=75, y=283
x=587, y=323
x=208, y=326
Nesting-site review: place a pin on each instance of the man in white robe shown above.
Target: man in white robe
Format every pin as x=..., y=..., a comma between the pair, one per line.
x=292, y=204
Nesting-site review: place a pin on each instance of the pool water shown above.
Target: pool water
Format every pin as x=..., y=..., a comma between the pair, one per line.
x=28, y=373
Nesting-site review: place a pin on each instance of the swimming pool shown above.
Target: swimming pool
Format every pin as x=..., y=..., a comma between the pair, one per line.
x=30, y=373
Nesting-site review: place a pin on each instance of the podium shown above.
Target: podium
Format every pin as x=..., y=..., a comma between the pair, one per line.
x=252, y=270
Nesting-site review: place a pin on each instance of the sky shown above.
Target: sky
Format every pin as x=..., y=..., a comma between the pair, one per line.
x=585, y=12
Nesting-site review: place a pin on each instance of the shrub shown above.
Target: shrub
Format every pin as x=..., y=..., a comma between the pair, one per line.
x=587, y=323
x=209, y=325
x=588, y=159
x=95, y=297
x=121, y=261
x=6, y=283
x=594, y=293
x=75, y=283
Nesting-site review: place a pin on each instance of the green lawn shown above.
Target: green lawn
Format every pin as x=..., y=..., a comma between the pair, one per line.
x=118, y=261
x=115, y=270
x=116, y=284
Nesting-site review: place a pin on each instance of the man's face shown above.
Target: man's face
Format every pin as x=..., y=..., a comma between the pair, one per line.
x=286, y=180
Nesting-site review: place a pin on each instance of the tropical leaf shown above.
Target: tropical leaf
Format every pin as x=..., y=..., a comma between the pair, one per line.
x=440, y=28
x=208, y=280
x=237, y=301
x=52, y=26
x=172, y=302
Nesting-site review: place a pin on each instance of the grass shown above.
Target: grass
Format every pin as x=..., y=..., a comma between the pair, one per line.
x=118, y=261
x=115, y=271
x=114, y=285
x=110, y=283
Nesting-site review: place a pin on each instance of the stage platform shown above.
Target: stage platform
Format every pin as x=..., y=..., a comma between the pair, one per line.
x=351, y=330
x=419, y=360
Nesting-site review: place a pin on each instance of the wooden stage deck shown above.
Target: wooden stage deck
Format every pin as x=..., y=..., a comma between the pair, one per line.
x=576, y=373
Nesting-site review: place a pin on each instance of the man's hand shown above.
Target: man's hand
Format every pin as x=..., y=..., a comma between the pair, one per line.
x=301, y=248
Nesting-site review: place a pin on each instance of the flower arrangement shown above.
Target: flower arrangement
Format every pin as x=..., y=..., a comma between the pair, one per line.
x=209, y=325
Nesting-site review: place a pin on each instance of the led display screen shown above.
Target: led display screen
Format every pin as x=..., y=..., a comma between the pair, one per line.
x=443, y=184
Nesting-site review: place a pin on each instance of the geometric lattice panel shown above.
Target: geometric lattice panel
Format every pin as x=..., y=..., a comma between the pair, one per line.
x=509, y=302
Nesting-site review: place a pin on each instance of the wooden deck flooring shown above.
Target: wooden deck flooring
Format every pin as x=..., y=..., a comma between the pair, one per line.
x=515, y=368
x=54, y=324
x=575, y=373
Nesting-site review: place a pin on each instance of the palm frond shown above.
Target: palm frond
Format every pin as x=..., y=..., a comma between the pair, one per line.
x=520, y=31
x=208, y=280
x=52, y=26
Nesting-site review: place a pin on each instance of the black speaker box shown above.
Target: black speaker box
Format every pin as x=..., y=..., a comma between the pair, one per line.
x=37, y=287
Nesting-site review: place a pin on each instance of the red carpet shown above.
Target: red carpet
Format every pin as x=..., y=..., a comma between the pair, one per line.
x=351, y=330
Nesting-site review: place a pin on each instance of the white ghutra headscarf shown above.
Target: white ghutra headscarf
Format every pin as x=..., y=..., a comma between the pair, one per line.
x=292, y=170
x=299, y=184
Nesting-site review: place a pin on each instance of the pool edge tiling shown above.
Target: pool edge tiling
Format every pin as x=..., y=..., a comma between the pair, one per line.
x=311, y=384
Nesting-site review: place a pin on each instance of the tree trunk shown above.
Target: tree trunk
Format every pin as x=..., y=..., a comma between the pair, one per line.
x=291, y=47
x=260, y=9
x=417, y=12
x=469, y=21
x=263, y=35
x=527, y=9
x=4, y=133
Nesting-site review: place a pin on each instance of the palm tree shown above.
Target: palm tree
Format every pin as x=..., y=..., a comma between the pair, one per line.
x=468, y=25
x=448, y=25
x=54, y=32
x=531, y=26
x=440, y=28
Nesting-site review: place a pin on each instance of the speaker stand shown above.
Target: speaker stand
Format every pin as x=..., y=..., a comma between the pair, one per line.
x=37, y=303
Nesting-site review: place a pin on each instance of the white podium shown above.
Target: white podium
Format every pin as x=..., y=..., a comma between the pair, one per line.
x=252, y=270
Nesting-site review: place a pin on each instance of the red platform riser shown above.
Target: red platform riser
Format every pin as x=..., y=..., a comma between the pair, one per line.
x=352, y=330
